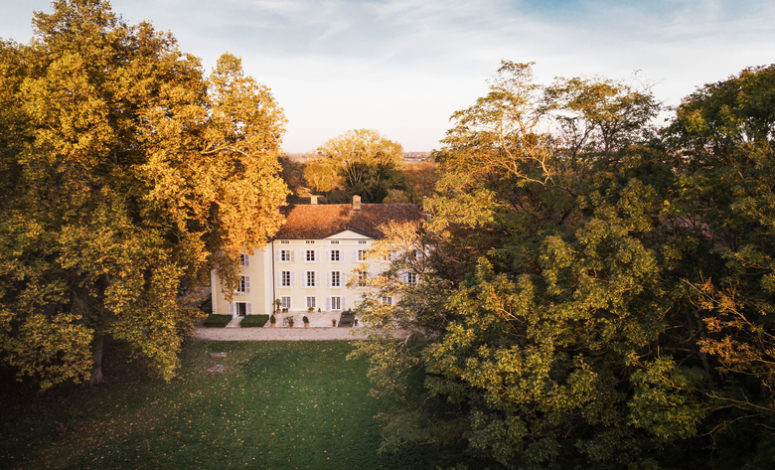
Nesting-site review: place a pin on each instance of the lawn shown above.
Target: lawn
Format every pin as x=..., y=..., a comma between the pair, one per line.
x=277, y=405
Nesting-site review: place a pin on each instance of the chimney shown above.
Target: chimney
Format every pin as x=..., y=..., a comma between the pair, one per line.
x=313, y=200
x=356, y=203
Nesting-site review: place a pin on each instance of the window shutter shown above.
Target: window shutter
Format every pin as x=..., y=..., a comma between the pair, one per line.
x=290, y=252
x=328, y=255
x=231, y=308
x=355, y=255
x=247, y=284
x=343, y=307
x=293, y=279
x=329, y=278
x=249, y=308
x=328, y=303
x=317, y=279
x=279, y=279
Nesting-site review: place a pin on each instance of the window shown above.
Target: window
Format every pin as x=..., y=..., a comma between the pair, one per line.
x=243, y=287
x=363, y=278
x=387, y=300
x=334, y=255
x=286, y=255
x=336, y=303
x=285, y=302
x=310, y=255
x=284, y=242
x=285, y=279
x=336, y=280
x=362, y=242
x=244, y=260
x=310, y=242
x=411, y=279
x=334, y=242
x=311, y=302
x=361, y=255
x=310, y=278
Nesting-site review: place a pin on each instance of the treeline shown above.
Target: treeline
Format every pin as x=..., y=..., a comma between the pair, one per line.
x=594, y=291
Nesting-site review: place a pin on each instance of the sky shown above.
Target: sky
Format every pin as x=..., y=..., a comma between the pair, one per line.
x=403, y=67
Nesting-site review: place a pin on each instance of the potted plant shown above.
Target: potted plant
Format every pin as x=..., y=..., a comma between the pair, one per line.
x=306, y=321
x=272, y=320
x=290, y=322
x=311, y=309
x=277, y=303
x=285, y=309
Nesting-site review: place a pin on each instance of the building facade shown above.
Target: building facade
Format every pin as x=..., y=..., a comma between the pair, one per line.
x=318, y=261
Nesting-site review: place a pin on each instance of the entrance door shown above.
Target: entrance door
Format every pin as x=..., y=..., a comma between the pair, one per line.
x=242, y=309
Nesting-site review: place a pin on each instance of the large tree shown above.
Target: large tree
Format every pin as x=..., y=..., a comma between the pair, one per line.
x=360, y=160
x=126, y=175
x=594, y=295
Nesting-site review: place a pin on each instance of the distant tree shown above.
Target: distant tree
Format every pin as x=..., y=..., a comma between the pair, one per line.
x=367, y=163
x=322, y=176
x=132, y=176
x=420, y=179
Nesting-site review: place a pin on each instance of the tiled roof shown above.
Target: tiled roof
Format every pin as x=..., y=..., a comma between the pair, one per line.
x=315, y=221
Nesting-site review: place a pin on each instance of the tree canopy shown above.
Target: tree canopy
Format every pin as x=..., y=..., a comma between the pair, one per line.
x=594, y=292
x=126, y=174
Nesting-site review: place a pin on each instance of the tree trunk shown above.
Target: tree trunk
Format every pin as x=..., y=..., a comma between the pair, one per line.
x=96, y=372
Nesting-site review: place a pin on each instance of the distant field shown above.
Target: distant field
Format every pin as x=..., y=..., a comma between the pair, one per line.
x=278, y=405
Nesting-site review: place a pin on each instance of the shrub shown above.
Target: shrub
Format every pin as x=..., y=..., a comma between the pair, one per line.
x=217, y=321
x=272, y=320
x=305, y=319
x=254, y=321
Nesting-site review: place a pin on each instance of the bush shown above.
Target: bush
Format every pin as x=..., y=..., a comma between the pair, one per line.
x=305, y=319
x=254, y=321
x=272, y=320
x=217, y=321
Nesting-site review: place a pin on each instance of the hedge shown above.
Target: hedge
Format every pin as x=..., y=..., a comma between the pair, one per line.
x=217, y=321
x=254, y=321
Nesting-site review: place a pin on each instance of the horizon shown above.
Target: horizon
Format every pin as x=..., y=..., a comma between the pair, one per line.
x=403, y=69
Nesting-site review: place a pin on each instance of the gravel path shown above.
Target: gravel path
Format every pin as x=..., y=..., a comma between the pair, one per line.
x=280, y=334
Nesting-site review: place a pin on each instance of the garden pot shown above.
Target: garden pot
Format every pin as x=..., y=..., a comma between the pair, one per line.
x=306, y=325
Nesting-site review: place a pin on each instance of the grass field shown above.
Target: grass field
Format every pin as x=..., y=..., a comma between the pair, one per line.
x=278, y=405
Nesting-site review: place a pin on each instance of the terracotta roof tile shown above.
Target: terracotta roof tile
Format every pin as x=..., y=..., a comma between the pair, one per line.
x=315, y=221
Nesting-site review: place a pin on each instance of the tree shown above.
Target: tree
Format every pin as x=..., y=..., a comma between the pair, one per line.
x=580, y=313
x=367, y=163
x=132, y=176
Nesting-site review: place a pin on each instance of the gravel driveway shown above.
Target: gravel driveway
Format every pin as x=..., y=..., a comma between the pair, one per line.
x=281, y=334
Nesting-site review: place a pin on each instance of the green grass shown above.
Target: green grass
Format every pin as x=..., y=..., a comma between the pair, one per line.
x=217, y=321
x=254, y=321
x=279, y=405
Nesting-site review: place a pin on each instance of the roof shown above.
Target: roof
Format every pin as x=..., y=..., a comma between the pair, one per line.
x=316, y=221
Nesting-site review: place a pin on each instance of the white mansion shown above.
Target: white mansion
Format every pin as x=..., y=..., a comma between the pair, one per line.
x=317, y=261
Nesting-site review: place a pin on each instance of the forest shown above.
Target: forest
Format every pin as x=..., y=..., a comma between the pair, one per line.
x=596, y=286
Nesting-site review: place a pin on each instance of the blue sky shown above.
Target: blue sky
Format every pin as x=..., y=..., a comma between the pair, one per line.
x=402, y=67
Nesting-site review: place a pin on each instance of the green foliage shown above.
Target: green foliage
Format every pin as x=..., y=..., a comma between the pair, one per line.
x=595, y=294
x=217, y=321
x=254, y=321
x=132, y=174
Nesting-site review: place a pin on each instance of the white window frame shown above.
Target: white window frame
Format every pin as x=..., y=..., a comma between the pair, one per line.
x=336, y=279
x=310, y=276
x=285, y=242
x=286, y=256
x=360, y=255
x=312, y=258
x=363, y=278
x=285, y=302
x=283, y=279
x=335, y=254
x=244, y=260
x=309, y=242
x=243, y=285
x=336, y=303
x=311, y=302
x=411, y=279
x=386, y=300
